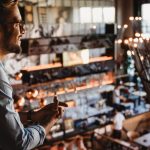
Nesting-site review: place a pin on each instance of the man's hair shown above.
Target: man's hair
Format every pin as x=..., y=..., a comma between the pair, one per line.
x=5, y=5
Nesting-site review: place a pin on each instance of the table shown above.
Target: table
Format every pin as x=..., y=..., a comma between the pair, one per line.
x=135, y=99
x=143, y=140
x=139, y=93
x=130, y=84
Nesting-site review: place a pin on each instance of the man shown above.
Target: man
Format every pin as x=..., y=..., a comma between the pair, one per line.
x=117, y=97
x=13, y=135
x=118, y=123
x=120, y=100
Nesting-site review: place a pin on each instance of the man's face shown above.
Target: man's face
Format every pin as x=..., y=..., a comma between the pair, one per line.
x=12, y=31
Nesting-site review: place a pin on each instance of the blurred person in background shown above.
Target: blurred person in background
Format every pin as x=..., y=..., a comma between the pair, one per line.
x=117, y=98
x=118, y=123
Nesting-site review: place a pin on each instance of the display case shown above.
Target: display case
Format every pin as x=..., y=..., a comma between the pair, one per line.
x=80, y=84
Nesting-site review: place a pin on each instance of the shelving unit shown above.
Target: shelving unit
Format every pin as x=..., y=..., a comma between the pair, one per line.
x=73, y=83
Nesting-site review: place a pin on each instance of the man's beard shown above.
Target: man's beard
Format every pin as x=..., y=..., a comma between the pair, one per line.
x=8, y=46
x=13, y=48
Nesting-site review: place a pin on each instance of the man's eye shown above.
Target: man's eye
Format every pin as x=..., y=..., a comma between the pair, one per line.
x=5, y=3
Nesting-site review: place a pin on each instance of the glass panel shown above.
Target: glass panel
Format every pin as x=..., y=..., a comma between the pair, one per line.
x=76, y=12
x=97, y=15
x=75, y=28
x=85, y=15
x=109, y=14
x=146, y=19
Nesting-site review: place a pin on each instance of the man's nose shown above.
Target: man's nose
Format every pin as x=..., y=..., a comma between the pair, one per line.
x=22, y=29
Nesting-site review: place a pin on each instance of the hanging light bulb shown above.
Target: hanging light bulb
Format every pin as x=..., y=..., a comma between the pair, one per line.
x=119, y=26
x=125, y=26
x=137, y=34
x=126, y=41
x=131, y=18
x=119, y=41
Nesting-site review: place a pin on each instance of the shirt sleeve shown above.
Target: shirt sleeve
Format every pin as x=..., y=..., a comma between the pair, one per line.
x=13, y=135
x=115, y=119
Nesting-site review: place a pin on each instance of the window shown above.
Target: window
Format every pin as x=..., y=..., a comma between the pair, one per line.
x=85, y=15
x=146, y=19
x=109, y=14
x=97, y=15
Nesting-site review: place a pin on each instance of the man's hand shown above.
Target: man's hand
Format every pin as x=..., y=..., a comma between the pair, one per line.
x=48, y=115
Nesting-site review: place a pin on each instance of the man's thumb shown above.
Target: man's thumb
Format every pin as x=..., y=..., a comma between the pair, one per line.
x=56, y=100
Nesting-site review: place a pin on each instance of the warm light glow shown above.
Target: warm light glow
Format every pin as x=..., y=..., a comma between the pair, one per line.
x=125, y=26
x=140, y=18
x=132, y=53
x=135, y=45
x=142, y=58
x=131, y=18
x=21, y=101
x=137, y=34
x=18, y=76
x=130, y=39
x=45, y=102
x=129, y=53
x=119, y=26
x=35, y=93
x=119, y=41
x=136, y=40
x=126, y=41
x=94, y=27
x=140, y=40
x=136, y=18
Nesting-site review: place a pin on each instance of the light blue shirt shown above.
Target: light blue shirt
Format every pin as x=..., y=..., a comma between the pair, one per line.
x=13, y=135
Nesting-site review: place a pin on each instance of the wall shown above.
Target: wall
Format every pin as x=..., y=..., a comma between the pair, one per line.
x=124, y=9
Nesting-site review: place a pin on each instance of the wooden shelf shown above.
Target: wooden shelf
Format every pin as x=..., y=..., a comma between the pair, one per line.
x=42, y=67
x=58, y=65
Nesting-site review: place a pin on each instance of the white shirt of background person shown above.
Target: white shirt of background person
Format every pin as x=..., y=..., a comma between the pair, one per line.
x=118, y=121
x=116, y=96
